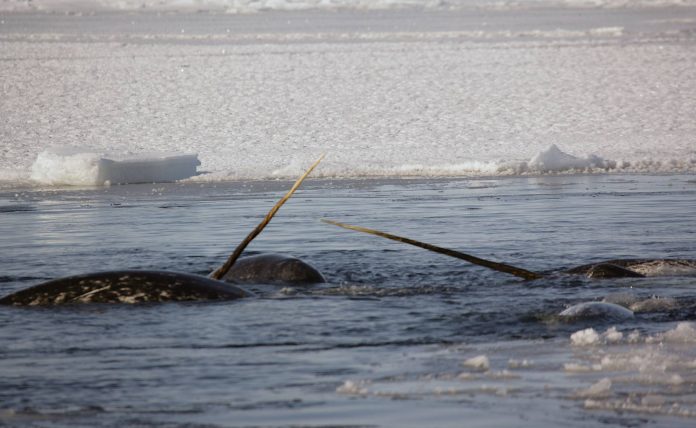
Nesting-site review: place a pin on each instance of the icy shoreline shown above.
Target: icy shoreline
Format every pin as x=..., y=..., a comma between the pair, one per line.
x=84, y=167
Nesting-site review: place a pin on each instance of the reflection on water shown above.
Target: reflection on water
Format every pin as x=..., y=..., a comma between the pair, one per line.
x=398, y=337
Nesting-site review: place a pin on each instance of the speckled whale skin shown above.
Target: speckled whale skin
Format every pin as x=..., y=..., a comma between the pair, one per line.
x=127, y=286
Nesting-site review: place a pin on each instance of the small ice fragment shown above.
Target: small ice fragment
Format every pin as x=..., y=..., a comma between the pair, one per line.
x=466, y=376
x=502, y=374
x=587, y=337
x=601, y=388
x=555, y=160
x=683, y=332
x=288, y=291
x=352, y=388
x=516, y=364
x=634, y=336
x=612, y=335
x=576, y=368
x=480, y=362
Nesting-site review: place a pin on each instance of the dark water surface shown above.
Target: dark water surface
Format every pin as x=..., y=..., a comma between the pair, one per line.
x=389, y=341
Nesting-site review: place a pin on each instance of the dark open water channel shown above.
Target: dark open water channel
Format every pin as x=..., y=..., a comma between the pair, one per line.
x=386, y=342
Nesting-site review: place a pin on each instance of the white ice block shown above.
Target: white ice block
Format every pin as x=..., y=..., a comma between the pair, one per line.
x=85, y=167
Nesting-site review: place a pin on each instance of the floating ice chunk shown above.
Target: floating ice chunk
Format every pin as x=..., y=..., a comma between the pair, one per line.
x=516, y=364
x=554, y=160
x=612, y=335
x=85, y=167
x=585, y=337
x=480, y=362
x=633, y=337
x=351, y=387
x=601, y=388
x=683, y=332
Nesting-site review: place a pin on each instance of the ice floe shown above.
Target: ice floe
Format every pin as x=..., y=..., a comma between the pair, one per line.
x=85, y=167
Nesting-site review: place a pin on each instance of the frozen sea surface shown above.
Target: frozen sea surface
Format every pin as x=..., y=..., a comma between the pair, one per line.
x=398, y=337
x=402, y=92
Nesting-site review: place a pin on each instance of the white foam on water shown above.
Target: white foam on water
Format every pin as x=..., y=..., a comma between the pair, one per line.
x=85, y=167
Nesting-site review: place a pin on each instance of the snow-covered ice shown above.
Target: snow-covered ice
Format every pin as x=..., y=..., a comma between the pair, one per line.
x=250, y=6
x=403, y=92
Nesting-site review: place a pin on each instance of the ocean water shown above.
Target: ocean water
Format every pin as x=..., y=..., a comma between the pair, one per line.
x=397, y=337
x=438, y=120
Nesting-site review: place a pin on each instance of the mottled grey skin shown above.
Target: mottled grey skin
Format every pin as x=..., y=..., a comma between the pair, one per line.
x=605, y=270
x=125, y=286
x=273, y=269
x=623, y=268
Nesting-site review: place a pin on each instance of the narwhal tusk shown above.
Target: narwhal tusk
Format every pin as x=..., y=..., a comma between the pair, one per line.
x=500, y=267
x=220, y=272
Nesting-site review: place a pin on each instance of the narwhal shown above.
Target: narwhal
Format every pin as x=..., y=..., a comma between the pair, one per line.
x=138, y=286
x=275, y=269
x=617, y=268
